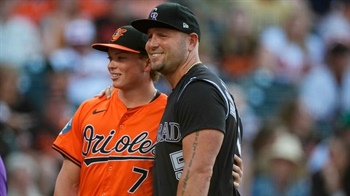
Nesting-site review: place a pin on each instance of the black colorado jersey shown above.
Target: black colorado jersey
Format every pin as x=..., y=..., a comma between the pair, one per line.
x=199, y=101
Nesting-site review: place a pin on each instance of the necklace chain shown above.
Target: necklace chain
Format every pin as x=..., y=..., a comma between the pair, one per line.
x=154, y=96
x=194, y=64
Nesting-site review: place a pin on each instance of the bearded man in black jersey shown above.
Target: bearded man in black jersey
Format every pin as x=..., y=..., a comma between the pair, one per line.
x=200, y=130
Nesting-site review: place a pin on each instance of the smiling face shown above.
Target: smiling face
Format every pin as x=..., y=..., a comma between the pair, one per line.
x=167, y=49
x=127, y=70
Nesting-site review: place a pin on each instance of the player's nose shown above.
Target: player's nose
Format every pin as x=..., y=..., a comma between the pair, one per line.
x=112, y=65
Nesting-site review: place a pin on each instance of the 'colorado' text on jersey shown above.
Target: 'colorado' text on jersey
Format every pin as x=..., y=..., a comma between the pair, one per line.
x=188, y=110
x=113, y=145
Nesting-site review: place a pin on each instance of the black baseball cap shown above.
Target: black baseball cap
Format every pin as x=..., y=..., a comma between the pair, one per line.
x=169, y=15
x=125, y=38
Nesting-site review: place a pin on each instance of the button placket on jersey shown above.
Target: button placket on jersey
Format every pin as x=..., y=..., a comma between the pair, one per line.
x=122, y=120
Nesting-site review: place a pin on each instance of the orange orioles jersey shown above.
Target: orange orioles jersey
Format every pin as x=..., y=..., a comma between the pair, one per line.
x=113, y=145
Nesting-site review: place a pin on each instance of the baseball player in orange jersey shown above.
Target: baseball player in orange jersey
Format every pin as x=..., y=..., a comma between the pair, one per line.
x=108, y=145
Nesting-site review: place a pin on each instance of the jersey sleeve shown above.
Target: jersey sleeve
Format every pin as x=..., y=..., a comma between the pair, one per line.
x=201, y=106
x=69, y=140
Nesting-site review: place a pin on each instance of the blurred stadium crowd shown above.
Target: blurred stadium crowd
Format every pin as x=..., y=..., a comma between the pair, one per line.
x=287, y=62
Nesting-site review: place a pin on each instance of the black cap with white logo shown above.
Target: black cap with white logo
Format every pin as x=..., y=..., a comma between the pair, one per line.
x=169, y=15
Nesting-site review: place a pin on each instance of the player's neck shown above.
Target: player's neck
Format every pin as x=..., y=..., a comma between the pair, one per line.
x=176, y=76
x=138, y=96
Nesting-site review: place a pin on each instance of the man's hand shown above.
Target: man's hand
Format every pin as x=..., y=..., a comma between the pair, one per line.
x=107, y=91
x=237, y=171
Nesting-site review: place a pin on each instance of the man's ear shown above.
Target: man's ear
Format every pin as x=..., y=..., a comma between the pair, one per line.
x=193, y=41
x=148, y=65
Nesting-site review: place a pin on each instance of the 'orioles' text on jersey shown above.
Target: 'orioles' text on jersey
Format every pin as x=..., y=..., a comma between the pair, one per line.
x=113, y=145
x=199, y=101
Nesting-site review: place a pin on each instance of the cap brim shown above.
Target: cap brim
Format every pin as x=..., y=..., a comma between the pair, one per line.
x=144, y=24
x=105, y=47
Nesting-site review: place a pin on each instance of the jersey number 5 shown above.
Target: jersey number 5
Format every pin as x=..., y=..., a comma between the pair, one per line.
x=137, y=184
x=178, y=163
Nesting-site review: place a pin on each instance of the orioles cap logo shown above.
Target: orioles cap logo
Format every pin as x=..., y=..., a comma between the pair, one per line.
x=119, y=32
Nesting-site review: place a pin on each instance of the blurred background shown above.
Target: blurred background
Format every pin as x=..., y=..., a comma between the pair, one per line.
x=287, y=63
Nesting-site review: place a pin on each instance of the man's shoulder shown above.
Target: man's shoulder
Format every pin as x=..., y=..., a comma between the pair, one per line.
x=204, y=73
x=93, y=101
x=94, y=104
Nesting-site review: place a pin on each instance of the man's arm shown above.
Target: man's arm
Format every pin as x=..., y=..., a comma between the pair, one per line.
x=67, y=182
x=199, y=152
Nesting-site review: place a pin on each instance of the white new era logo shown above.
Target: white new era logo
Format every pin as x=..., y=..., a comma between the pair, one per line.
x=184, y=25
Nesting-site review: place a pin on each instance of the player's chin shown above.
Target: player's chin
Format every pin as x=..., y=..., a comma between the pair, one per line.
x=157, y=67
x=116, y=84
